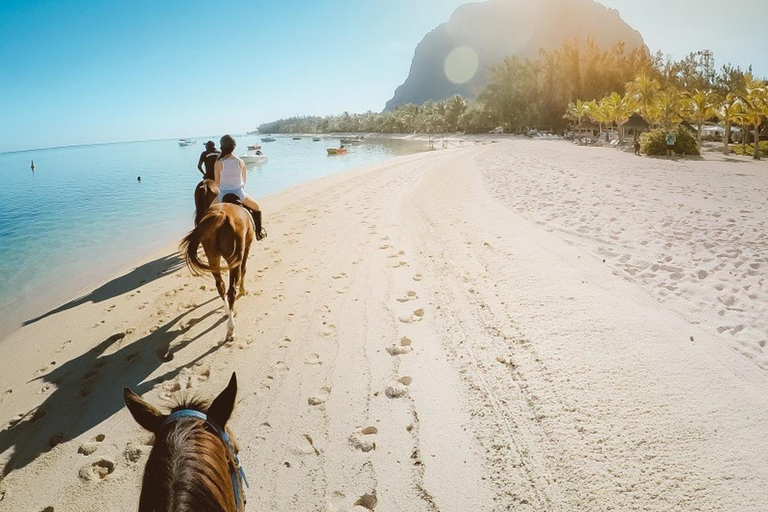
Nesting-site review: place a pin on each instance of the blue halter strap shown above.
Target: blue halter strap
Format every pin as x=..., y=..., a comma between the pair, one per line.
x=236, y=472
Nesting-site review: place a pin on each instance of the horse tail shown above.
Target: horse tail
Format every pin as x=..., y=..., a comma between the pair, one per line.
x=209, y=225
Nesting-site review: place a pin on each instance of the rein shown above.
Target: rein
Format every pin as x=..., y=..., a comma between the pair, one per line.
x=236, y=472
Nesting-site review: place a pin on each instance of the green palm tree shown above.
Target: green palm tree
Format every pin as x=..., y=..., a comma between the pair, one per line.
x=700, y=108
x=669, y=108
x=618, y=110
x=728, y=110
x=577, y=111
x=754, y=101
x=643, y=91
x=598, y=113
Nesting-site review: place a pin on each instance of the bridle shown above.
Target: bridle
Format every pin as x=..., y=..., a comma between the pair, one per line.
x=236, y=472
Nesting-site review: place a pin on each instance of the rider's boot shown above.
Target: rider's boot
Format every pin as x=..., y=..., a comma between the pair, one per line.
x=260, y=231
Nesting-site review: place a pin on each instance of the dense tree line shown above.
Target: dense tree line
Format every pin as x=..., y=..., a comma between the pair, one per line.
x=580, y=80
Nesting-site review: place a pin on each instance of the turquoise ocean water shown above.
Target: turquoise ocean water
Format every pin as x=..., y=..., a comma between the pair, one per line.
x=82, y=216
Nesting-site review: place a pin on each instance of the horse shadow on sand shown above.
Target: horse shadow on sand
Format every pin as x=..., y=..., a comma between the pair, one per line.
x=89, y=389
x=139, y=276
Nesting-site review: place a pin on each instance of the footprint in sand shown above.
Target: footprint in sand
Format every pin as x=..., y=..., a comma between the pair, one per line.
x=91, y=446
x=410, y=295
x=98, y=470
x=340, y=275
x=385, y=247
x=306, y=445
x=63, y=346
x=417, y=277
x=365, y=439
x=403, y=347
x=313, y=359
x=342, y=290
x=281, y=368
x=417, y=316
x=399, y=388
x=320, y=397
x=7, y=392
x=399, y=264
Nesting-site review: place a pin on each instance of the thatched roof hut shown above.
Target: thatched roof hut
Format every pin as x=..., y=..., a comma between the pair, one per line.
x=586, y=128
x=636, y=122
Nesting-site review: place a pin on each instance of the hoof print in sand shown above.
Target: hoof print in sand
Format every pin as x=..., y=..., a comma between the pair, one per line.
x=399, y=388
x=417, y=316
x=320, y=397
x=133, y=452
x=410, y=295
x=98, y=470
x=364, y=440
x=313, y=359
x=367, y=501
x=306, y=445
x=91, y=446
x=403, y=347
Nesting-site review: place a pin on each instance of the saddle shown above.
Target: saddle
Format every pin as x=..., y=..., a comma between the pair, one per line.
x=255, y=215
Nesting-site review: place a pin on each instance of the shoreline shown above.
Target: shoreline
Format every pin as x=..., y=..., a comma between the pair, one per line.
x=419, y=326
x=29, y=304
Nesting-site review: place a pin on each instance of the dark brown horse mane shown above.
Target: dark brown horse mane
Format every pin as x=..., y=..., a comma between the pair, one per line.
x=188, y=468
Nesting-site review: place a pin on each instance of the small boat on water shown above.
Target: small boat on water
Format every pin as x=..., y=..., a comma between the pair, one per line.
x=297, y=138
x=254, y=146
x=268, y=139
x=186, y=142
x=352, y=140
x=254, y=156
x=315, y=139
x=336, y=151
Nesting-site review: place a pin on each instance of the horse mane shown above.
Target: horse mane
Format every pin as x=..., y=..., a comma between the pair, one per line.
x=188, y=467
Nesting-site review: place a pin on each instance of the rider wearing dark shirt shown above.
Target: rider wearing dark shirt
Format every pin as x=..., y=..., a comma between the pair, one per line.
x=208, y=157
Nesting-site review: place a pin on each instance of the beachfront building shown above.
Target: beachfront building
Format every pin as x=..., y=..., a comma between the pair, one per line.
x=586, y=130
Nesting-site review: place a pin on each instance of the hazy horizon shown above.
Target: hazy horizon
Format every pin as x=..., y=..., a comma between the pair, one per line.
x=84, y=73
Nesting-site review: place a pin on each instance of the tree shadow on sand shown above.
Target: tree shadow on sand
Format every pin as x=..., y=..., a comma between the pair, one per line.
x=89, y=388
x=140, y=275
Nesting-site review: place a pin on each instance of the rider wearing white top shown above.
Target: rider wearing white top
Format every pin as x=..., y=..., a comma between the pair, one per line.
x=230, y=176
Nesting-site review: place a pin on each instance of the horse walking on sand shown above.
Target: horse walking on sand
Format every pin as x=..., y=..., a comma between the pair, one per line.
x=193, y=464
x=225, y=230
x=206, y=193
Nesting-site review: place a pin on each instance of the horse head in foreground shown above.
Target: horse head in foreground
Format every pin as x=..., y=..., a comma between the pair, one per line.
x=225, y=230
x=193, y=464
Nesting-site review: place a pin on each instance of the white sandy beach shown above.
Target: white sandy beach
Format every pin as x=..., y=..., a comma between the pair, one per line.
x=528, y=325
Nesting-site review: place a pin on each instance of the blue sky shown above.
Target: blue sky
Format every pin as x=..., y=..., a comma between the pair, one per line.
x=79, y=71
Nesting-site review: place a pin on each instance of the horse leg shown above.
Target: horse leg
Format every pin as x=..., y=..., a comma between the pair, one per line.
x=234, y=277
x=243, y=291
x=214, y=258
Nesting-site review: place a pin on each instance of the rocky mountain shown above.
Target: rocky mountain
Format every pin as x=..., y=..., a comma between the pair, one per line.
x=454, y=57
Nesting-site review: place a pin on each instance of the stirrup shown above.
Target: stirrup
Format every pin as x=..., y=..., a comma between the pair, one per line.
x=261, y=234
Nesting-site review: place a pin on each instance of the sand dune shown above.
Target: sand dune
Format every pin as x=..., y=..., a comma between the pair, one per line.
x=436, y=332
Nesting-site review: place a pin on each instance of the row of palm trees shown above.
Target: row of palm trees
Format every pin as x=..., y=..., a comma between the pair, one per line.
x=745, y=104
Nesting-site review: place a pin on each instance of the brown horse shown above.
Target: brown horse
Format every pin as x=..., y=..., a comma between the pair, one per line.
x=193, y=464
x=206, y=193
x=226, y=230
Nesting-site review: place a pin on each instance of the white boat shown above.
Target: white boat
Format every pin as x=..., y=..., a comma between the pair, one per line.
x=186, y=142
x=268, y=139
x=254, y=156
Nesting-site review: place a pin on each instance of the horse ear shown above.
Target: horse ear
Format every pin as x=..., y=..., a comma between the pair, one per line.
x=145, y=415
x=221, y=407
